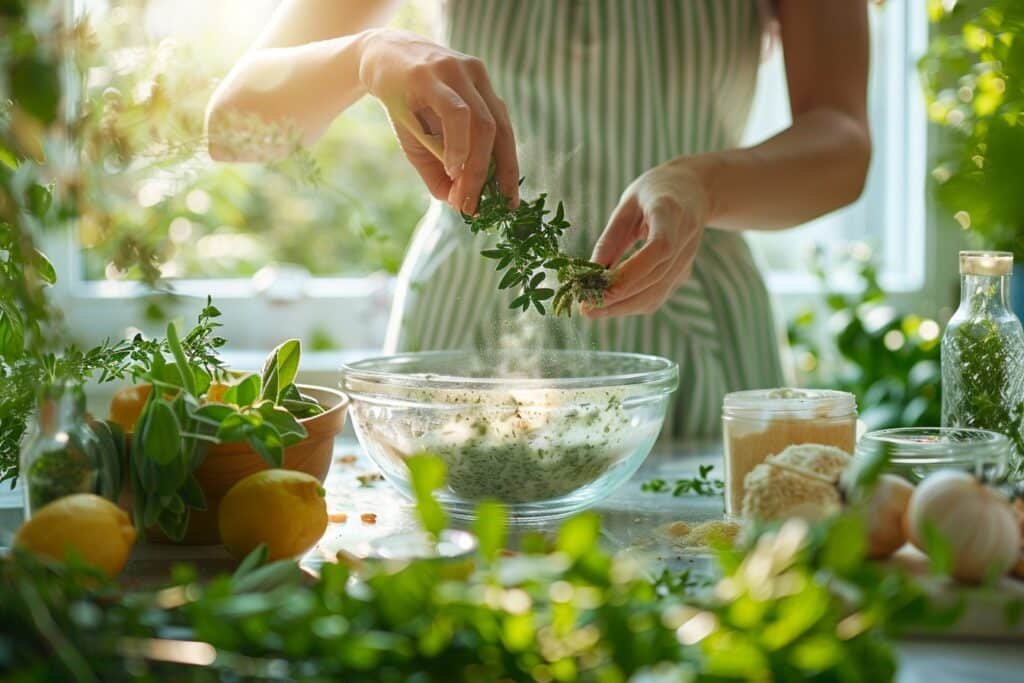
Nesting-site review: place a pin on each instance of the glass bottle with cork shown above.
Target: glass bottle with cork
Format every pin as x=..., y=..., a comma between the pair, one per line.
x=983, y=353
x=54, y=459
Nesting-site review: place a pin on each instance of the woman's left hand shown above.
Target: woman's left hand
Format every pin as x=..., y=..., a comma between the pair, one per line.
x=667, y=208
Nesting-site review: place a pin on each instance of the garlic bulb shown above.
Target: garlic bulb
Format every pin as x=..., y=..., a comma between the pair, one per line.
x=977, y=523
x=886, y=508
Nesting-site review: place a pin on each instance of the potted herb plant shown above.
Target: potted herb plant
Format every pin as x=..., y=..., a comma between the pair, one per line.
x=195, y=428
x=973, y=76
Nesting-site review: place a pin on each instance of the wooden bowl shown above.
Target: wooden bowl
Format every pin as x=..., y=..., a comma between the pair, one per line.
x=226, y=464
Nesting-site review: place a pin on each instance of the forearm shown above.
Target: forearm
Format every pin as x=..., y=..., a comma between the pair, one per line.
x=301, y=88
x=815, y=166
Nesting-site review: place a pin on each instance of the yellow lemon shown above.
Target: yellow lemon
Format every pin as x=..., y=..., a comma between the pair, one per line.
x=282, y=508
x=85, y=524
x=127, y=404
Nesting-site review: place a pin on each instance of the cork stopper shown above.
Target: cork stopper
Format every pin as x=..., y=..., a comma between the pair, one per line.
x=991, y=263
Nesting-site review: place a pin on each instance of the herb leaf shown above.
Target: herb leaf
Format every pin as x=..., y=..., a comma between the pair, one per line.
x=701, y=485
x=528, y=245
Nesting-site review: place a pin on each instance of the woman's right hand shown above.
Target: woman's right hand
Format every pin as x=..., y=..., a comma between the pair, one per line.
x=429, y=89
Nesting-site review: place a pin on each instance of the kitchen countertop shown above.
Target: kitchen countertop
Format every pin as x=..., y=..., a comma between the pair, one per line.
x=629, y=516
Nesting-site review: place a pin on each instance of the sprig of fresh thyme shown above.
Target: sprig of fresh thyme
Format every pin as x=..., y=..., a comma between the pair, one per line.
x=528, y=245
x=701, y=485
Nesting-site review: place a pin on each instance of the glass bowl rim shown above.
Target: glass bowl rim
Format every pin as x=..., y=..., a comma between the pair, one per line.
x=666, y=370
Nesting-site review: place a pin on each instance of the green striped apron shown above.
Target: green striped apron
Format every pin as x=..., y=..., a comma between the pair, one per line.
x=599, y=91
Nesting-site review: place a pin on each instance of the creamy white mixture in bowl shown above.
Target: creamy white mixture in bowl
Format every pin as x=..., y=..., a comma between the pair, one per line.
x=547, y=433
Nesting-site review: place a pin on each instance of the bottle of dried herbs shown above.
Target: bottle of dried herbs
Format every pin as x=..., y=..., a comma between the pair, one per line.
x=54, y=459
x=983, y=354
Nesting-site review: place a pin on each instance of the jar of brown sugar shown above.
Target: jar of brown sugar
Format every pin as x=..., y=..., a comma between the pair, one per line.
x=763, y=422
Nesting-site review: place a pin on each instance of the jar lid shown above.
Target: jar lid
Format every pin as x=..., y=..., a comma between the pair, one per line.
x=991, y=263
x=789, y=402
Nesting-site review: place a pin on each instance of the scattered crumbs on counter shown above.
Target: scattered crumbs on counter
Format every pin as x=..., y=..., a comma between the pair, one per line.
x=368, y=517
x=347, y=459
x=337, y=518
x=702, y=535
x=677, y=529
x=367, y=478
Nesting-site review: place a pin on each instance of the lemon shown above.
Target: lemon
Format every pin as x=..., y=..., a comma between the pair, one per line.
x=127, y=404
x=85, y=524
x=216, y=392
x=283, y=508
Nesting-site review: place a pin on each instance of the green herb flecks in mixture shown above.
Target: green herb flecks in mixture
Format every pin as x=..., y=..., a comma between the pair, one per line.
x=979, y=350
x=528, y=245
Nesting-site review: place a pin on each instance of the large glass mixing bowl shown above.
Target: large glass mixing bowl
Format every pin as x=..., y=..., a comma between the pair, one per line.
x=547, y=433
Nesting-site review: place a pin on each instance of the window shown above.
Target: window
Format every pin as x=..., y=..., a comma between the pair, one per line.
x=889, y=217
x=307, y=246
x=216, y=227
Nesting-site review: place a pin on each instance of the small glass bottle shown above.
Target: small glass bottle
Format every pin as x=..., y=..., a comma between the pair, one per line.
x=764, y=422
x=983, y=353
x=54, y=463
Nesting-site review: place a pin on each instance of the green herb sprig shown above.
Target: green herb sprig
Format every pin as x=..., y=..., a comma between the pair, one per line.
x=528, y=245
x=701, y=485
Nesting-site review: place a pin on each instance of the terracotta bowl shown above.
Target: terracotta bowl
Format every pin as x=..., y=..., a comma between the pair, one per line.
x=226, y=464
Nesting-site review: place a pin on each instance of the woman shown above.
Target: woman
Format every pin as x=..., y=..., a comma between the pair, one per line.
x=629, y=110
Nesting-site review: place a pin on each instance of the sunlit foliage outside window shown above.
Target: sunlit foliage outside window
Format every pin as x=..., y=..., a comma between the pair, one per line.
x=347, y=207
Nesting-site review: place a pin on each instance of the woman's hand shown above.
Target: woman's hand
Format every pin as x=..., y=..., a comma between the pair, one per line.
x=428, y=90
x=667, y=208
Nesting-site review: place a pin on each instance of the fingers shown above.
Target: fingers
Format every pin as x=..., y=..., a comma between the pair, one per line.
x=657, y=251
x=648, y=300
x=506, y=161
x=624, y=228
x=455, y=115
x=426, y=164
x=482, y=130
x=642, y=270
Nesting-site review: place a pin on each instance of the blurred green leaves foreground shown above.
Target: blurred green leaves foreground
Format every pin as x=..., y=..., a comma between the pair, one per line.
x=795, y=603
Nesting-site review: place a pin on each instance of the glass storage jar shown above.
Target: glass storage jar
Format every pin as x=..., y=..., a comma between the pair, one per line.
x=54, y=461
x=983, y=353
x=916, y=452
x=763, y=422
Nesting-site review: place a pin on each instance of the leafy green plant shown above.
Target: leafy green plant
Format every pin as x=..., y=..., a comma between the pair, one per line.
x=178, y=422
x=973, y=76
x=527, y=245
x=859, y=342
x=796, y=602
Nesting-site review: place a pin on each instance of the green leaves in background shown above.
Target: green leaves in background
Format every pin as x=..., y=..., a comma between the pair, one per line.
x=973, y=78
x=35, y=86
x=861, y=343
x=428, y=473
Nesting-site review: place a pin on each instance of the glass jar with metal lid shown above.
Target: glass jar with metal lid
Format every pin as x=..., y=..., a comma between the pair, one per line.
x=763, y=422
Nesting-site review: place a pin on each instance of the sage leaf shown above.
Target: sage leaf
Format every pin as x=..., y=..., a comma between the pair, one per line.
x=162, y=433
